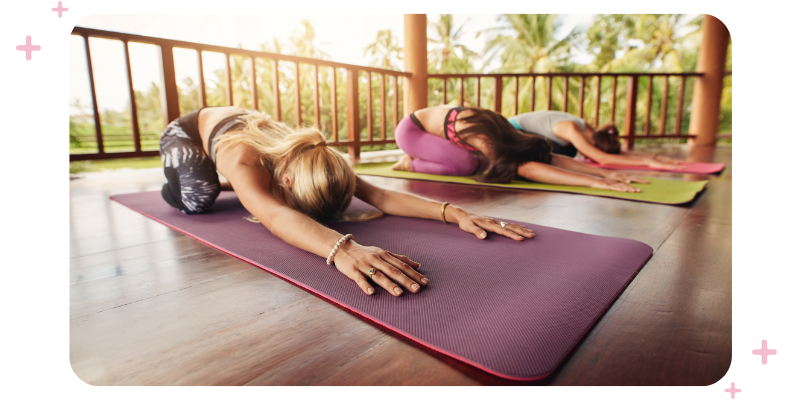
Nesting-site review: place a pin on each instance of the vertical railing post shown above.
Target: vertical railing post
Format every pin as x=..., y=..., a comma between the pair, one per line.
x=298, y=105
x=630, y=110
x=170, y=85
x=203, y=102
x=137, y=140
x=276, y=90
x=462, y=91
x=679, y=111
x=597, y=101
x=229, y=79
x=614, y=100
x=383, y=106
x=254, y=83
x=396, y=100
x=369, y=106
x=334, y=108
x=649, y=105
x=315, y=72
x=478, y=91
x=98, y=129
x=353, y=123
x=498, y=94
x=704, y=120
x=580, y=98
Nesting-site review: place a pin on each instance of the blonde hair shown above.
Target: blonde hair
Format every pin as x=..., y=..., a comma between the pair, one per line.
x=323, y=181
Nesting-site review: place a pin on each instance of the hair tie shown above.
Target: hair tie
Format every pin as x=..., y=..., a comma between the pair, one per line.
x=321, y=144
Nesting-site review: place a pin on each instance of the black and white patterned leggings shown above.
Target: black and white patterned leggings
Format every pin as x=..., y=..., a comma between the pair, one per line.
x=192, y=182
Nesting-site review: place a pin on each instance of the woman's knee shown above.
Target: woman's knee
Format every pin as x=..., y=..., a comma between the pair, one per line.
x=465, y=165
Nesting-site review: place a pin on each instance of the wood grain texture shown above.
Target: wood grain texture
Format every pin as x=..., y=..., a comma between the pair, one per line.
x=151, y=306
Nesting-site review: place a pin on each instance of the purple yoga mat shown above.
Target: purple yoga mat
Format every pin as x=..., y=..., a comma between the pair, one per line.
x=513, y=309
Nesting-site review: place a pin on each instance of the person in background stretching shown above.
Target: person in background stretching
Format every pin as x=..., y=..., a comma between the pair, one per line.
x=290, y=180
x=460, y=141
x=571, y=135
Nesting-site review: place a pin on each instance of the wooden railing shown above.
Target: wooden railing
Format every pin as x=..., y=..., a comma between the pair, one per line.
x=629, y=132
x=172, y=111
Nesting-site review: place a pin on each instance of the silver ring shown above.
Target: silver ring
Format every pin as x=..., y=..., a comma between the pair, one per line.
x=503, y=224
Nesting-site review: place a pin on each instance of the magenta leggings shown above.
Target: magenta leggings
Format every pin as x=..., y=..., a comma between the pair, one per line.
x=434, y=155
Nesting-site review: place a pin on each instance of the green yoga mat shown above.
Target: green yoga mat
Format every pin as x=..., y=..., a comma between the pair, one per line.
x=661, y=191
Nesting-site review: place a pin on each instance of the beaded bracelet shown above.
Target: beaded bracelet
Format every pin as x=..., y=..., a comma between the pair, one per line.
x=336, y=248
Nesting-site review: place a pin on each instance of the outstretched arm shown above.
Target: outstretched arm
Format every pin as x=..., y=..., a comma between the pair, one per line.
x=552, y=174
x=409, y=205
x=579, y=167
x=251, y=183
x=589, y=150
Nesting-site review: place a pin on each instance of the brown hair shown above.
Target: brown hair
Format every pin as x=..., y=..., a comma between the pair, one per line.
x=509, y=147
x=606, y=138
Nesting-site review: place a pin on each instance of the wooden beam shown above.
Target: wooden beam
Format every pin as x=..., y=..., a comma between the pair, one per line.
x=704, y=120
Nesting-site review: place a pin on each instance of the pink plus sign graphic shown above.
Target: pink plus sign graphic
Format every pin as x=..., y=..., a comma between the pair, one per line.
x=764, y=352
x=733, y=390
x=28, y=47
x=60, y=9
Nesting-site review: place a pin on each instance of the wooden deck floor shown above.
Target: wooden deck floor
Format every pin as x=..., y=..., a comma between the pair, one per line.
x=151, y=306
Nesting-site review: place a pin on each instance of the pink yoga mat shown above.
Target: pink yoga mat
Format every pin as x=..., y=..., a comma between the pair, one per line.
x=692, y=168
x=513, y=309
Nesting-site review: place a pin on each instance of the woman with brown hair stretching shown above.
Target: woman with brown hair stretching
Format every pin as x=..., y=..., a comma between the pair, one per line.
x=290, y=180
x=571, y=135
x=478, y=141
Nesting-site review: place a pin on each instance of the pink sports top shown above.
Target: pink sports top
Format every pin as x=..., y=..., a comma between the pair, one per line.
x=450, y=128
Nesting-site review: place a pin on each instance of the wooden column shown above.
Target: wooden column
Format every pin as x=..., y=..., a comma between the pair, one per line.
x=415, y=61
x=707, y=95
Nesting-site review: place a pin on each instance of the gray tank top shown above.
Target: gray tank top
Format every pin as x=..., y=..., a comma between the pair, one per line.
x=542, y=122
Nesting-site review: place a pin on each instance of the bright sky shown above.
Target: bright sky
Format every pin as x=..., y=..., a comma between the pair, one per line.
x=344, y=37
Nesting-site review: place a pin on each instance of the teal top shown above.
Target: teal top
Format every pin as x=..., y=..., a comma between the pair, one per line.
x=542, y=123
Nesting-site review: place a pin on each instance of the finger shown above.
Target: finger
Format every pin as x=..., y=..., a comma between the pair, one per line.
x=406, y=260
x=521, y=230
x=639, y=180
x=500, y=230
x=407, y=271
x=476, y=230
x=362, y=282
x=382, y=279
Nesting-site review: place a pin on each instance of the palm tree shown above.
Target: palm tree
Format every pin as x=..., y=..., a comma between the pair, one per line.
x=527, y=43
x=385, y=51
x=449, y=55
x=649, y=41
x=445, y=57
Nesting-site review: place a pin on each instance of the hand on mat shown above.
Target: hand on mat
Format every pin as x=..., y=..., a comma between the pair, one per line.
x=662, y=165
x=610, y=184
x=625, y=178
x=392, y=271
x=478, y=225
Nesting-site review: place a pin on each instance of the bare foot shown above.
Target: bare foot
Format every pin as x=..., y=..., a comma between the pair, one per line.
x=403, y=165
